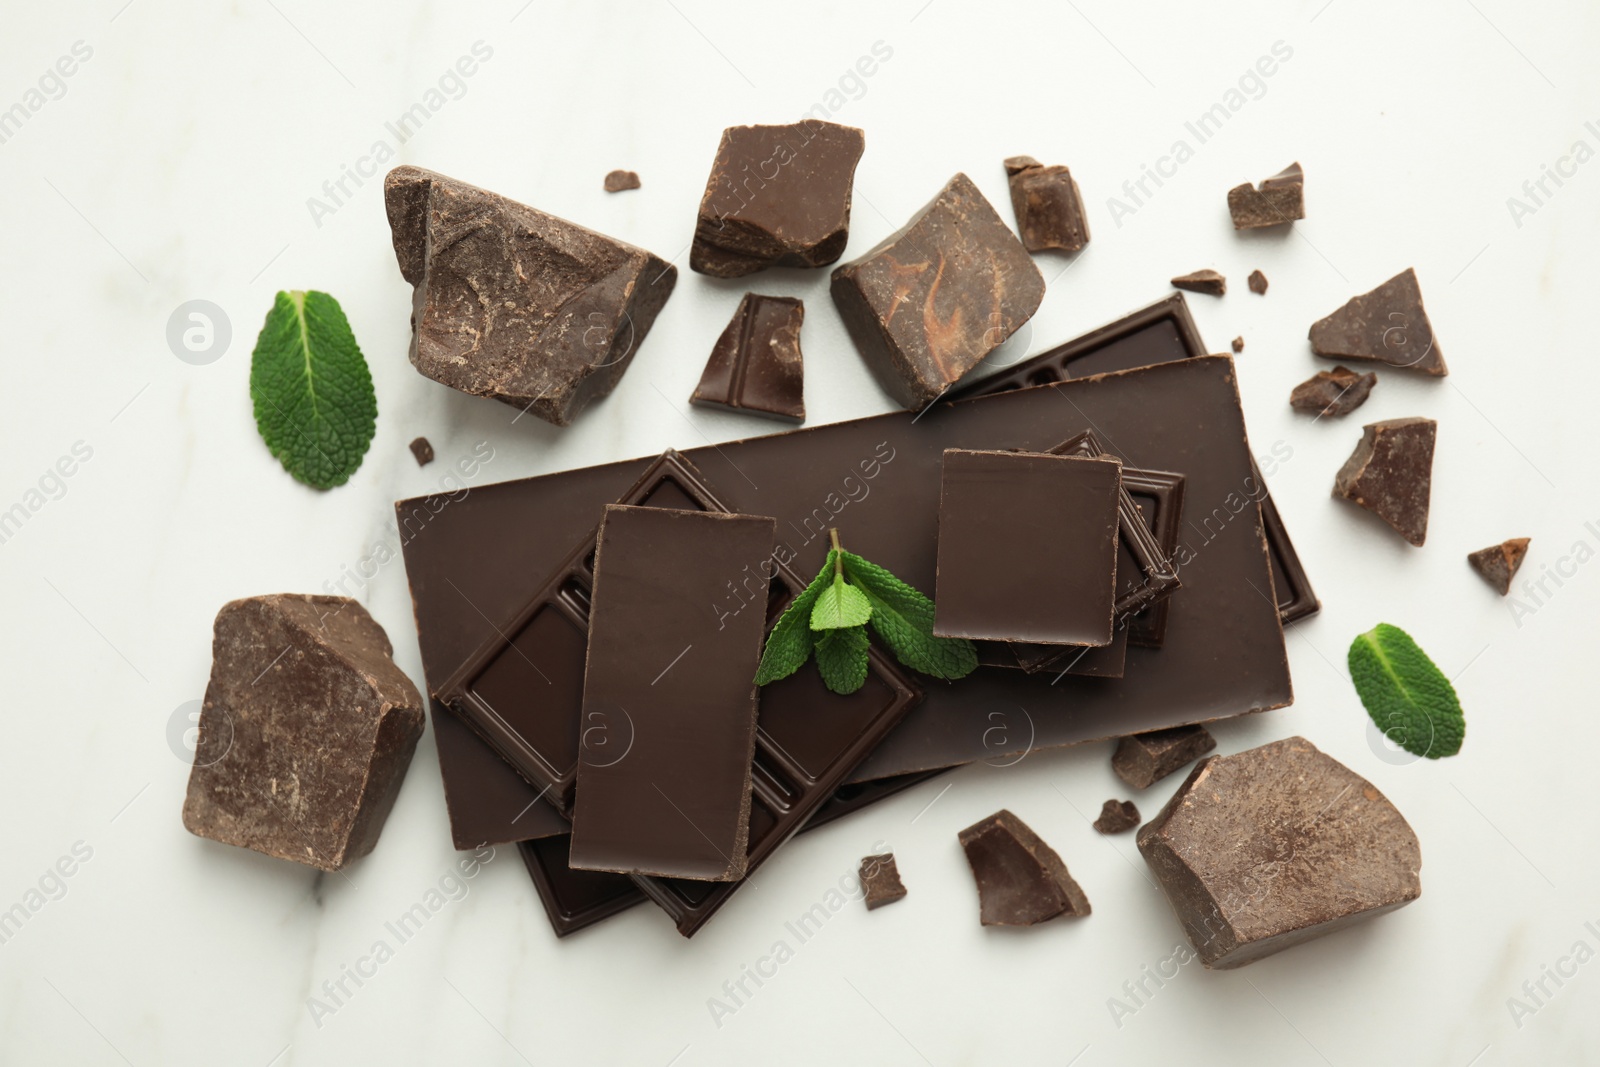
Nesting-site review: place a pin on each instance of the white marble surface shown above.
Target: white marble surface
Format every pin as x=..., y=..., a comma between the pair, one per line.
x=176, y=163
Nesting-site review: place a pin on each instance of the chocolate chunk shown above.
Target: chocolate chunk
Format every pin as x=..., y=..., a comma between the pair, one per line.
x=1021, y=880
x=1391, y=474
x=1277, y=200
x=778, y=196
x=423, y=450
x=618, y=180
x=1238, y=344
x=934, y=298
x=1257, y=282
x=1333, y=392
x=755, y=365
x=1275, y=846
x=1498, y=564
x=1388, y=325
x=1208, y=282
x=306, y=730
x=515, y=304
x=1117, y=816
x=880, y=878
x=1142, y=760
x=1048, y=206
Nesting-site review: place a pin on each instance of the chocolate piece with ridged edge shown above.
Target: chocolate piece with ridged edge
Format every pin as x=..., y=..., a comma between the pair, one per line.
x=1277, y=201
x=1142, y=760
x=1498, y=564
x=1021, y=880
x=756, y=365
x=1388, y=325
x=1048, y=206
x=1391, y=474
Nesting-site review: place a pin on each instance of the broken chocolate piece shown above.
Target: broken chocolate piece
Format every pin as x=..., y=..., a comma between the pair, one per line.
x=1333, y=392
x=515, y=304
x=1117, y=816
x=880, y=879
x=1208, y=282
x=1048, y=206
x=423, y=450
x=1276, y=846
x=778, y=196
x=305, y=733
x=619, y=180
x=755, y=365
x=1257, y=282
x=1388, y=325
x=1391, y=474
x=934, y=298
x=1142, y=760
x=1238, y=344
x=1277, y=200
x=1021, y=880
x=1498, y=564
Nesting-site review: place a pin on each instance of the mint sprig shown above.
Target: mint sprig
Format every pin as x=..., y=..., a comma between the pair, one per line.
x=1406, y=694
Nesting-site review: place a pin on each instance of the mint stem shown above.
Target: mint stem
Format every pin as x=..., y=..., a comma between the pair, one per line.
x=838, y=553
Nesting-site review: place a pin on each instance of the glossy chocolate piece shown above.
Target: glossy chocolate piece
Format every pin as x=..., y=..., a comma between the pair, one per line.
x=756, y=365
x=1048, y=206
x=931, y=300
x=999, y=510
x=1278, y=200
x=1269, y=848
x=1116, y=816
x=1257, y=282
x=1388, y=325
x=574, y=899
x=516, y=304
x=1333, y=392
x=1142, y=760
x=620, y=180
x=880, y=880
x=1021, y=880
x=306, y=730
x=1391, y=474
x=664, y=755
x=778, y=196
x=1498, y=564
x=422, y=450
x=1159, y=333
x=1208, y=282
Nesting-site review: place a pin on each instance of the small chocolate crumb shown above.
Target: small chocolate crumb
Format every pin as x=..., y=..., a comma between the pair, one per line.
x=1021, y=880
x=618, y=180
x=1388, y=325
x=1257, y=282
x=880, y=878
x=423, y=450
x=1333, y=392
x=1238, y=344
x=1498, y=564
x=1117, y=816
x=1278, y=200
x=1208, y=282
x=1391, y=474
x=1142, y=760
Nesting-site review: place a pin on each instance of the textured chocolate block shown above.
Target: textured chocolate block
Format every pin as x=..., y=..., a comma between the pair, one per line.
x=1275, y=846
x=1391, y=474
x=1021, y=880
x=1207, y=282
x=1498, y=564
x=306, y=730
x=880, y=879
x=756, y=365
x=1388, y=325
x=1116, y=816
x=934, y=298
x=1142, y=760
x=1333, y=392
x=1278, y=200
x=1048, y=206
x=516, y=304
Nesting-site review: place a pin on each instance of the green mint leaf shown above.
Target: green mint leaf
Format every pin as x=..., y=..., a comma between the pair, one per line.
x=842, y=659
x=1408, y=697
x=840, y=606
x=312, y=391
x=903, y=617
x=790, y=642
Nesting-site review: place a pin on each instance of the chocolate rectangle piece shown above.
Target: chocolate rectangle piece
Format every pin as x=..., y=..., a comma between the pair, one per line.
x=1002, y=512
x=664, y=766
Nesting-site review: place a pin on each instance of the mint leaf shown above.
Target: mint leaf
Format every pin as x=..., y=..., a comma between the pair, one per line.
x=790, y=642
x=840, y=606
x=1408, y=697
x=842, y=659
x=903, y=617
x=312, y=391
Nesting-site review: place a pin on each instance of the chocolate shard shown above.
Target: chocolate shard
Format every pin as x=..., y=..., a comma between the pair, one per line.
x=1048, y=206
x=1498, y=564
x=778, y=196
x=1333, y=392
x=934, y=298
x=1278, y=200
x=1391, y=474
x=620, y=180
x=1117, y=816
x=515, y=304
x=1238, y=344
x=1021, y=880
x=305, y=733
x=880, y=880
x=1257, y=282
x=1275, y=846
x=1142, y=760
x=756, y=365
x=1208, y=282
x=422, y=449
x=1388, y=325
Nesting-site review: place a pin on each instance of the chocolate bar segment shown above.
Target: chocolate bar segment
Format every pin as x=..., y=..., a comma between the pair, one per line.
x=756, y=364
x=489, y=803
